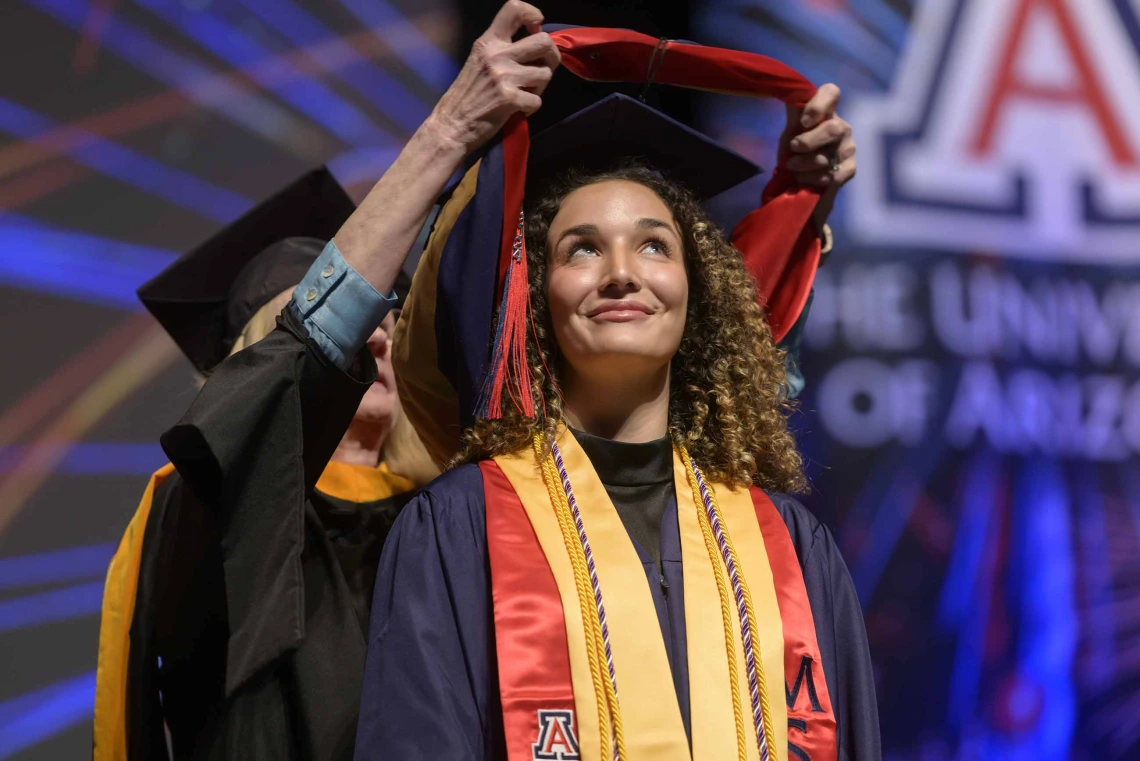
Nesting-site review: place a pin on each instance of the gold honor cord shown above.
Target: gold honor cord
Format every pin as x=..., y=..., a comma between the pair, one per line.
x=750, y=612
x=605, y=693
x=725, y=606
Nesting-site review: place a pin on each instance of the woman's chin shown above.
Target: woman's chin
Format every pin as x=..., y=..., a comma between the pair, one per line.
x=382, y=414
x=624, y=356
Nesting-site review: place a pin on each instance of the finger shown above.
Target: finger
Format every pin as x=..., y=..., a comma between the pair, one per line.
x=533, y=79
x=821, y=106
x=827, y=178
x=527, y=102
x=819, y=179
x=537, y=48
x=808, y=162
x=514, y=14
x=831, y=131
x=846, y=147
x=845, y=173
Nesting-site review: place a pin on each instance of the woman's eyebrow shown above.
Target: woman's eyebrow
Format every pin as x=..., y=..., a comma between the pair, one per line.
x=583, y=229
x=649, y=223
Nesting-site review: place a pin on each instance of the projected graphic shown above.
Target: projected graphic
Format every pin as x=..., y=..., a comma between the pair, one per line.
x=1009, y=121
x=973, y=358
x=129, y=131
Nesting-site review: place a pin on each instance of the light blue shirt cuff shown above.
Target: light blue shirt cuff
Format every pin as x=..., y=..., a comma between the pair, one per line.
x=338, y=307
x=792, y=344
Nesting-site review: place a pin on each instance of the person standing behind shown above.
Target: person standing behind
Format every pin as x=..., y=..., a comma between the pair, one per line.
x=237, y=603
x=286, y=668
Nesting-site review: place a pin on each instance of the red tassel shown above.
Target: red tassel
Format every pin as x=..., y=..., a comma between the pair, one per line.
x=510, y=370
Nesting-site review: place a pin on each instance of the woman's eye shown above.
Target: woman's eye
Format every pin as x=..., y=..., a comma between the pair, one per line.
x=582, y=249
x=657, y=247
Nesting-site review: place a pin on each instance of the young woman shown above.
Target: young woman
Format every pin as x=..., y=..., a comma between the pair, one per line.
x=613, y=568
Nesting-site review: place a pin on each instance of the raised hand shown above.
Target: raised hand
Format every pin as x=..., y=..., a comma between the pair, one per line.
x=819, y=147
x=499, y=79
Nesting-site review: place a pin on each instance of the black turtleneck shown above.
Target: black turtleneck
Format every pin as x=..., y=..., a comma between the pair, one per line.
x=639, y=481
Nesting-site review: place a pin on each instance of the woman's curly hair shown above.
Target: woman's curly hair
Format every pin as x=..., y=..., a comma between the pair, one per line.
x=728, y=400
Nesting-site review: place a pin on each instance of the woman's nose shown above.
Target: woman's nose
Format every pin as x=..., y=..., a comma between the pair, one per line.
x=378, y=342
x=622, y=270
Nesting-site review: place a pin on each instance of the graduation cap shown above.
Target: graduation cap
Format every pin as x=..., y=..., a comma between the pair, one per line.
x=460, y=347
x=618, y=128
x=206, y=297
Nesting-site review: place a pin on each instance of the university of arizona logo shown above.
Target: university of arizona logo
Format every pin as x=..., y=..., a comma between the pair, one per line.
x=1012, y=126
x=556, y=739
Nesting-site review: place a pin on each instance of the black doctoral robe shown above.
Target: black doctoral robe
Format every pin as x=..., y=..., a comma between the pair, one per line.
x=248, y=635
x=431, y=683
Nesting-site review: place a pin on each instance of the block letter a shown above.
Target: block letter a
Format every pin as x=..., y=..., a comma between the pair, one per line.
x=1086, y=91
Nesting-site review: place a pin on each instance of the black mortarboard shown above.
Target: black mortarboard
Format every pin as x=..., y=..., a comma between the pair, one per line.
x=206, y=297
x=619, y=127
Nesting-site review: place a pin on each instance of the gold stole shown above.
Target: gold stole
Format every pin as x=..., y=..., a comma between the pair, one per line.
x=361, y=483
x=110, y=727
x=650, y=714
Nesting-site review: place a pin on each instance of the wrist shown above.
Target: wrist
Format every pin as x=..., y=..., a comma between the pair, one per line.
x=441, y=140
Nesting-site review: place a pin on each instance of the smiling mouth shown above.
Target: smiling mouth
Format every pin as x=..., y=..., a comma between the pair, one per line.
x=621, y=311
x=621, y=315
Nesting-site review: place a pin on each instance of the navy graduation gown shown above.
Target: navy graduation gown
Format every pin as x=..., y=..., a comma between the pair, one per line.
x=430, y=683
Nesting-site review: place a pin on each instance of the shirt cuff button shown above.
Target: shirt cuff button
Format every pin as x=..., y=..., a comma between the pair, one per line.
x=312, y=294
x=327, y=271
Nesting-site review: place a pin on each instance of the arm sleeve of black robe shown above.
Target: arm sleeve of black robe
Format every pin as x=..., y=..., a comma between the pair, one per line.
x=252, y=446
x=430, y=690
x=280, y=390
x=853, y=696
